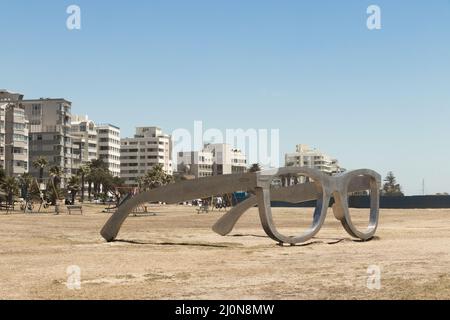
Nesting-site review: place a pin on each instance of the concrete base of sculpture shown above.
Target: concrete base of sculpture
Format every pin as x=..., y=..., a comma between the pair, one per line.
x=320, y=188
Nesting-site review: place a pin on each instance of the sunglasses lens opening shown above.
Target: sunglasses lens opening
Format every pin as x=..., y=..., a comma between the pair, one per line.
x=359, y=201
x=294, y=199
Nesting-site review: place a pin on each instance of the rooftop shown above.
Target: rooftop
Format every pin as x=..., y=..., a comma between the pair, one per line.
x=104, y=125
x=48, y=99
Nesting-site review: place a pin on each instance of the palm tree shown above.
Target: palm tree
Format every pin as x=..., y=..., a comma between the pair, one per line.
x=25, y=182
x=41, y=164
x=11, y=188
x=55, y=173
x=2, y=175
x=83, y=172
x=89, y=179
x=98, y=172
x=34, y=192
x=73, y=186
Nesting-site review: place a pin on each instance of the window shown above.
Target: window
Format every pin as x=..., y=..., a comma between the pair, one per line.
x=36, y=110
x=19, y=137
x=19, y=126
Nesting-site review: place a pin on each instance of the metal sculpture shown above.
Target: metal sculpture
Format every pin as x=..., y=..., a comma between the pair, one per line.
x=318, y=186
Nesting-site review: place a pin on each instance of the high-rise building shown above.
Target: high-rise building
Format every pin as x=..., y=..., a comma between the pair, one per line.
x=108, y=147
x=50, y=134
x=214, y=159
x=13, y=134
x=312, y=158
x=84, y=140
x=138, y=155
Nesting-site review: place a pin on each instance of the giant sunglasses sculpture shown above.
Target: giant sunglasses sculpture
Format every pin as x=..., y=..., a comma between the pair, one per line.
x=318, y=186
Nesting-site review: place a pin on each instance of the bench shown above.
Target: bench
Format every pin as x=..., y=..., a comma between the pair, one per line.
x=73, y=208
x=7, y=207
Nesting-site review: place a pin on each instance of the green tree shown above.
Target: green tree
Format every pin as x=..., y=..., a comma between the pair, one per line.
x=11, y=188
x=2, y=175
x=83, y=172
x=34, y=192
x=155, y=178
x=56, y=174
x=98, y=172
x=25, y=182
x=41, y=164
x=113, y=185
x=391, y=187
x=73, y=186
x=90, y=181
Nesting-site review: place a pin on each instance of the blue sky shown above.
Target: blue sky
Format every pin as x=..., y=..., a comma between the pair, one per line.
x=377, y=99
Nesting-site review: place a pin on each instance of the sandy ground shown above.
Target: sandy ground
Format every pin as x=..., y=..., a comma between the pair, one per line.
x=175, y=255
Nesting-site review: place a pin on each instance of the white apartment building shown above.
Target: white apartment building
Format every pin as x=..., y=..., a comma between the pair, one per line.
x=214, y=159
x=149, y=147
x=108, y=147
x=312, y=158
x=228, y=160
x=197, y=163
x=14, y=135
x=84, y=140
x=50, y=134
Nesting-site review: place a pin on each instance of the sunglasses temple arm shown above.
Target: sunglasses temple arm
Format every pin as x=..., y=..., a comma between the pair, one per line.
x=176, y=193
x=226, y=224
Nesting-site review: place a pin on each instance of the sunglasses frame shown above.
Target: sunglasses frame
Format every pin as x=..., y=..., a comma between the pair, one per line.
x=337, y=187
x=322, y=189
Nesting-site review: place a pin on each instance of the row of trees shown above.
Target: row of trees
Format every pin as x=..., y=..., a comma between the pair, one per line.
x=101, y=184
x=94, y=176
x=11, y=186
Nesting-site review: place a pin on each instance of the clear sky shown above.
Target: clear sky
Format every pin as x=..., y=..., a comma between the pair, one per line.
x=378, y=99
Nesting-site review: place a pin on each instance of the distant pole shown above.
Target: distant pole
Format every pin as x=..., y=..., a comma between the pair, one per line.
x=423, y=187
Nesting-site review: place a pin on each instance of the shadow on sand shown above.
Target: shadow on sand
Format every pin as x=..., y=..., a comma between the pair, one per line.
x=189, y=244
x=316, y=241
x=328, y=241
